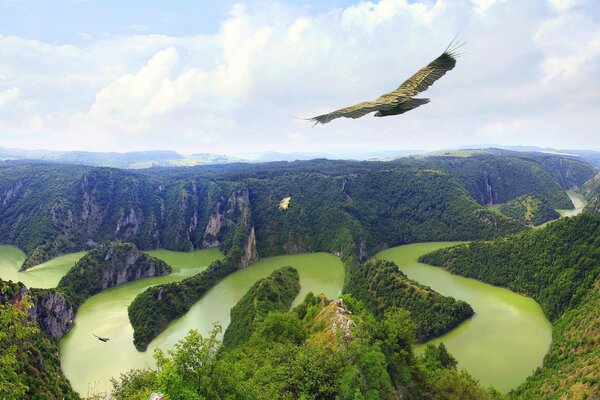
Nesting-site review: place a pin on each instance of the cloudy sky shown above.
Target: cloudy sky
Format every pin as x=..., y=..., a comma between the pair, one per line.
x=231, y=77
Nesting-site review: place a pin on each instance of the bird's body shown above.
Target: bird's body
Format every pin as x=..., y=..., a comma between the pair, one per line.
x=102, y=339
x=402, y=99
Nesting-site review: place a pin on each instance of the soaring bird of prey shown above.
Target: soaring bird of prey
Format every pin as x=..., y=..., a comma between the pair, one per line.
x=402, y=99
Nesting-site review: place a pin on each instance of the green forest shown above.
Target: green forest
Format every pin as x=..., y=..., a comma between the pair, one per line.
x=322, y=349
x=273, y=293
x=559, y=266
x=529, y=210
x=380, y=285
x=358, y=347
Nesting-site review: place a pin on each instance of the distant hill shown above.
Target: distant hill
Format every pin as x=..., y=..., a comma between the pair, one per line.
x=128, y=160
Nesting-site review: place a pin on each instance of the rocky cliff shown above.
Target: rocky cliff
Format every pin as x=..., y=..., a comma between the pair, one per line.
x=50, y=309
x=109, y=264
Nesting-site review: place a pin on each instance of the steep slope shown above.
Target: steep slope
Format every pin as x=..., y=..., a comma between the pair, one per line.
x=29, y=362
x=498, y=179
x=529, y=209
x=276, y=292
x=323, y=349
x=152, y=310
x=108, y=264
x=591, y=191
x=559, y=265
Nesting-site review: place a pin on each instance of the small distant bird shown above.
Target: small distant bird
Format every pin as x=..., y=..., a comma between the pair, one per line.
x=284, y=203
x=102, y=339
x=402, y=99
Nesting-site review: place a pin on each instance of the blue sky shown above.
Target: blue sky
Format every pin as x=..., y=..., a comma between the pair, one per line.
x=235, y=76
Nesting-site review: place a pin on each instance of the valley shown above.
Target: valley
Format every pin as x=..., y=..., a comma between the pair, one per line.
x=197, y=239
x=508, y=328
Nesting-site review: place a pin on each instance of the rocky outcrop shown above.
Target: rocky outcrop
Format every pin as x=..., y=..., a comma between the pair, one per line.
x=335, y=320
x=53, y=313
x=362, y=250
x=110, y=264
x=11, y=192
x=250, y=253
x=215, y=225
x=50, y=309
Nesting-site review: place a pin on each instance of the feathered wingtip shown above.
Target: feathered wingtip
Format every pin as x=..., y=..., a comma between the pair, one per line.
x=320, y=119
x=455, y=48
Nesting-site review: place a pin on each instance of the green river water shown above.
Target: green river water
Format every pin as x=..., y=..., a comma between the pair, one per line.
x=506, y=339
x=501, y=345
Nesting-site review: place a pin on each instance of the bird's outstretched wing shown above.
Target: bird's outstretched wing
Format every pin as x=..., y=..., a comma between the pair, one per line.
x=355, y=111
x=426, y=76
x=416, y=84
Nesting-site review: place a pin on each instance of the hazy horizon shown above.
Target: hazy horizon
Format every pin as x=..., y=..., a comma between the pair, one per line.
x=234, y=77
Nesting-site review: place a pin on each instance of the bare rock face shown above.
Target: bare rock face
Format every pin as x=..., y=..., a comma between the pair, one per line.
x=250, y=253
x=216, y=222
x=109, y=264
x=53, y=313
x=50, y=309
x=228, y=214
x=362, y=250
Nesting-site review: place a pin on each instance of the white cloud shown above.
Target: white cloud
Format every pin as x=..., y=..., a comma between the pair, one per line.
x=9, y=96
x=531, y=68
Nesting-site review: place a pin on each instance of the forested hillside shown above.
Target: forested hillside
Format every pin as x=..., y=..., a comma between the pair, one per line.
x=52, y=209
x=273, y=293
x=559, y=266
x=380, y=285
x=108, y=264
x=529, y=209
x=497, y=179
x=322, y=349
x=591, y=192
x=29, y=362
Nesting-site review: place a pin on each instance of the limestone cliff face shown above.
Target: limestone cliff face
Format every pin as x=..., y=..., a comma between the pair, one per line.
x=239, y=212
x=215, y=225
x=250, y=253
x=231, y=217
x=53, y=313
x=110, y=264
x=50, y=309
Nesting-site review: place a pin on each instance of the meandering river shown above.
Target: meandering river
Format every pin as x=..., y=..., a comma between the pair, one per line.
x=506, y=339
x=500, y=345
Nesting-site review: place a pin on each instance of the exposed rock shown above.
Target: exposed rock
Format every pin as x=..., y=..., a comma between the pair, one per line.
x=250, y=253
x=337, y=323
x=156, y=396
x=128, y=224
x=50, y=308
x=11, y=192
x=53, y=313
x=216, y=222
x=110, y=264
x=489, y=198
